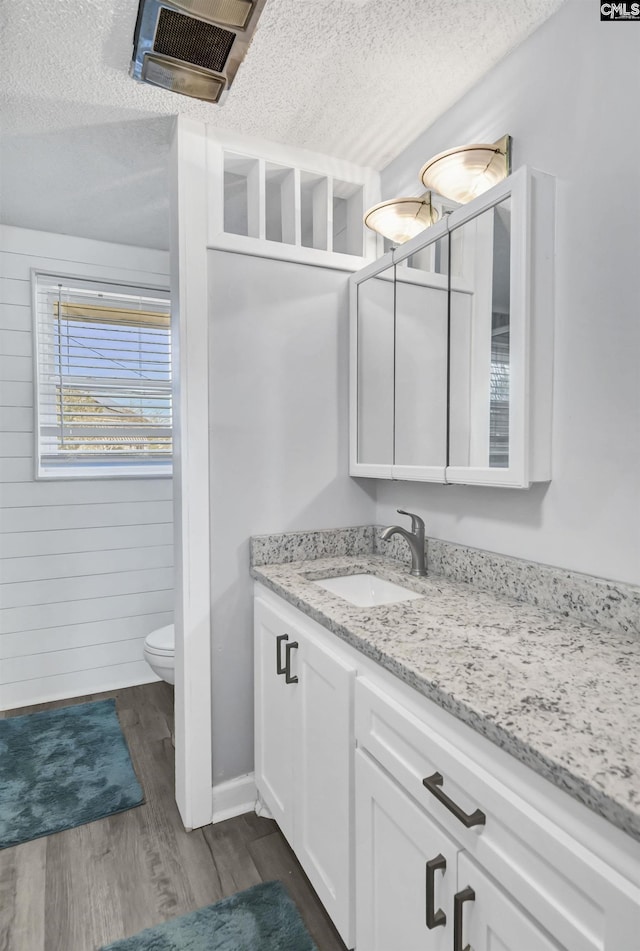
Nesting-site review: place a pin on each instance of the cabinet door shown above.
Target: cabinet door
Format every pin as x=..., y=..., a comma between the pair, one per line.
x=501, y=334
x=275, y=702
x=395, y=894
x=373, y=374
x=490, y=920
x=420, y=423
x=323, y=831
x=487, y=360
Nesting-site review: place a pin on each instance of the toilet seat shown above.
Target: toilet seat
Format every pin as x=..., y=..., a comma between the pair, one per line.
x=160, y=652
x=161, y=643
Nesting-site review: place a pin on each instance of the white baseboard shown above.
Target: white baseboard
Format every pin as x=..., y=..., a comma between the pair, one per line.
x=262, y=808
x=26, y=693
x=233, y=798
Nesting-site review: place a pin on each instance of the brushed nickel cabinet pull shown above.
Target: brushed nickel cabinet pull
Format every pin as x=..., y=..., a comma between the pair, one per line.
x=433, y=783
x=434, y=918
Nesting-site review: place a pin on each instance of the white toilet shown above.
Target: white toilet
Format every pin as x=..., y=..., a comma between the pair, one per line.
x=160, y=652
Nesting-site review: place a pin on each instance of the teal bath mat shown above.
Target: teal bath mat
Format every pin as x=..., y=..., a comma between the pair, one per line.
x=62, y=768
x=262, y=918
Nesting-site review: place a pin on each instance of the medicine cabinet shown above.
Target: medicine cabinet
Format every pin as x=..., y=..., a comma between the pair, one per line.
x=451, y=346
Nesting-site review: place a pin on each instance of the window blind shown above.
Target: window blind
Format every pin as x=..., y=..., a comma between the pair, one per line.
x=104, y=377
x=499, y=392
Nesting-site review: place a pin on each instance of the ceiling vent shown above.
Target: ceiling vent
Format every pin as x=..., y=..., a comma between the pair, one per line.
x=193, y=47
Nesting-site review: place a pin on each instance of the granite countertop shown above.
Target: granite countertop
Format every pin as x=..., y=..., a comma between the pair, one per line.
x=560, y=695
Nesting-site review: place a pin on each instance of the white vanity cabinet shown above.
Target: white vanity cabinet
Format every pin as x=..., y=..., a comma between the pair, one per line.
x=414, y=881
x=304, y=750
x=501, y=829
x=418, y=833
x=400, y=897
x=451, y=346
x=488, y=919
x=276, y=715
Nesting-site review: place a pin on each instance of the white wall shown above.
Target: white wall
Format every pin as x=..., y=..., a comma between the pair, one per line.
x=569, y=97
x=83, y=170
x=86, y=567
x=279, y=460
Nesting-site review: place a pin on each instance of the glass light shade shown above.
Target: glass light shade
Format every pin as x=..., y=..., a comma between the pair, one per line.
x=469, y=170
x=400, y=219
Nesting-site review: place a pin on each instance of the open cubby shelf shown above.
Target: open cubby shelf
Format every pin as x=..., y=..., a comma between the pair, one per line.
x=288, y=205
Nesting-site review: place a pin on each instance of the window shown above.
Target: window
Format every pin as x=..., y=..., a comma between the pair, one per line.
x=103, y=379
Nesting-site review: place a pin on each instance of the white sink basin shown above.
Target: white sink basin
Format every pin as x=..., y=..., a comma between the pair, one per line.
x=366, y=591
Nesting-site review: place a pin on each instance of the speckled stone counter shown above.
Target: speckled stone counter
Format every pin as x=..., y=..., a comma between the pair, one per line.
x=611, y=605
x=560, y=695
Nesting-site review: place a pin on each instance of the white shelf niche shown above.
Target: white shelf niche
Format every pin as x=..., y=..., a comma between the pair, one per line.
x=348, y=210
x=241, y=195
x=282, y=203
x=266, y=205
x=315, y=211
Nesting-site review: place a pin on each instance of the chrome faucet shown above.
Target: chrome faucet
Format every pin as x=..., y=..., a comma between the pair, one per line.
x=415, y=539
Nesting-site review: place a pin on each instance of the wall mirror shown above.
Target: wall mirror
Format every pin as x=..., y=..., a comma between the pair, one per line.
x=400, y=333
x=421, y=305
x=479, y=339
x=451, y=343
x=375, y=368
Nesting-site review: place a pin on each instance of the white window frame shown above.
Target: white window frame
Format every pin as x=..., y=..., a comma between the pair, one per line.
x=84, y=469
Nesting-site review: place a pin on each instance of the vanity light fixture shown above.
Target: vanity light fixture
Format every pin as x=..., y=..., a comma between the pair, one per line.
x=463, y=173
x=399, y=219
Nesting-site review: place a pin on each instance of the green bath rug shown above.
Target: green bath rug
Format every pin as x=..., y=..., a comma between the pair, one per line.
x=262, y=918
x=61, y=768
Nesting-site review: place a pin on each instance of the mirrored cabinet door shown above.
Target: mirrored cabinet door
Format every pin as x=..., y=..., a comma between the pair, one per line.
x=421, y=314
x=480, y=368
x=501, y=334
x=375, y=370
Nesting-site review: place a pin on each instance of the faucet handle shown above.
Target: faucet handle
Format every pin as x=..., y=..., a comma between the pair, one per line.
x=417, y=524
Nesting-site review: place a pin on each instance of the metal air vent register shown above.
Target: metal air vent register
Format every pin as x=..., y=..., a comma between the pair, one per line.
x=193, y=47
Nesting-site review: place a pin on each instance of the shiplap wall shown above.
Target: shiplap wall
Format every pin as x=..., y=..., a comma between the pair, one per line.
x=86, y=566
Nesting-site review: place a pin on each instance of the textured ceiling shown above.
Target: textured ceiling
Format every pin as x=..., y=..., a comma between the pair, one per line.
x=84, y=147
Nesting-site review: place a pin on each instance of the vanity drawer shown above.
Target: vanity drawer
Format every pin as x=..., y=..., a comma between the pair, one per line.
x=581, y=901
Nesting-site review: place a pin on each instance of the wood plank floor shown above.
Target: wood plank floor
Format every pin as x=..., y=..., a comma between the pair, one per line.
x=88, y=886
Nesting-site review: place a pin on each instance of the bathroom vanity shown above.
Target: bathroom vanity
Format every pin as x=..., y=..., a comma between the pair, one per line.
x=450, y=770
